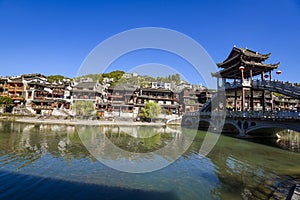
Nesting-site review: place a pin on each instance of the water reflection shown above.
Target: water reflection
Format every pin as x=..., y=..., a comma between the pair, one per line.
x=287, y=140
x=140, y=150
x=290, y=140
x=234, y=169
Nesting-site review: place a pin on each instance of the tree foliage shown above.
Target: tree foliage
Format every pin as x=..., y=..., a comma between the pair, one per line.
x=151, y=110
x=116, y=75
x=142, y=81
x=171, y=78
x=55, y=78
x=139, y=81
x=94, y=77
x=84, y=107
x=7, y=103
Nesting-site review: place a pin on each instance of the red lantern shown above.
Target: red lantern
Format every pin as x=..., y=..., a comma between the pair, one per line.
x=278, y=72
x=266, y=76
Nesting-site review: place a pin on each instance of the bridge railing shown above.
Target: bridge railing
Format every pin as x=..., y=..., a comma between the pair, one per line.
x=264, y=114
x=275, y=86
x=281, y=115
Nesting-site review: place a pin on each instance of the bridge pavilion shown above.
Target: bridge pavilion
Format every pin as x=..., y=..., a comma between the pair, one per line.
x=237, y=76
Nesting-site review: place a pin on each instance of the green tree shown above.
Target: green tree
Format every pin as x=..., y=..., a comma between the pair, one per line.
x=84, y=107
x=6, y=102
x=151, y=110
x=176, y=78
x=116, y=75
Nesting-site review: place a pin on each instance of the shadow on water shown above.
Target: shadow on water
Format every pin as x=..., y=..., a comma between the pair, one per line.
x=248, y=170
x=288, y=140
x=19, y=186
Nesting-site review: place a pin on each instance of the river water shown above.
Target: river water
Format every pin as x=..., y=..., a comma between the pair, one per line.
x=51, y=162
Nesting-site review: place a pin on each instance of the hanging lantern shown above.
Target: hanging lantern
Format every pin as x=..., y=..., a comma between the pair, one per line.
x=266, y=76
x=241, y=68
x=278, y=72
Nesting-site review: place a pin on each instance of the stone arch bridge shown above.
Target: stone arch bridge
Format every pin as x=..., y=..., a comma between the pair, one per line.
x=245, y=124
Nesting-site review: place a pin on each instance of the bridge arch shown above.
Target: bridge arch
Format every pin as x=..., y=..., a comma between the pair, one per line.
x=188, y=122
x=231, y=128
x=264, y=131
x=204, y=124
x=270, y=129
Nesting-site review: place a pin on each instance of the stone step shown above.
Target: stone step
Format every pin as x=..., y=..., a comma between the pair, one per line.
x=296, y=193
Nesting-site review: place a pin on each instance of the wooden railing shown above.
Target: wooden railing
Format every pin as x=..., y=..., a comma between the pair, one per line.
x=285, y=88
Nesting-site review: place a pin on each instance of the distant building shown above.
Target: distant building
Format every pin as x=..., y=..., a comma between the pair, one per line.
x=12, y=87
x=35, y=93
x=84, y=90
x=166, y=98
x=130, y=75
x=43, y=96
x=161, y=85
x=192, y=99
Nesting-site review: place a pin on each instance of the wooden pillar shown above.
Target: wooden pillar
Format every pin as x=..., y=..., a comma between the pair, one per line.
x=262, y=75
x=243, y=99
x=242, y=76
x=223, y=82
x=272, y=101
x=263, y=100
x=235, y=100
x=251, y=77
x=251, y=99
x=251, y=90
x=243, y=91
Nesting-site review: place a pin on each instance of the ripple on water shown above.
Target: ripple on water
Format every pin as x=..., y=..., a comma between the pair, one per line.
x=54, y=164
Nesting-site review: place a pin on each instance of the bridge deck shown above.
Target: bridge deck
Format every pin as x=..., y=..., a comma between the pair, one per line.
x=278, y=115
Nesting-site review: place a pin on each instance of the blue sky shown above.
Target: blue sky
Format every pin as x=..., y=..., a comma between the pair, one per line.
x=54, y=37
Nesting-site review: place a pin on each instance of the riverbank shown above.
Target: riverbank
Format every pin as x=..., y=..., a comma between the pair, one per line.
x=34, y=120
